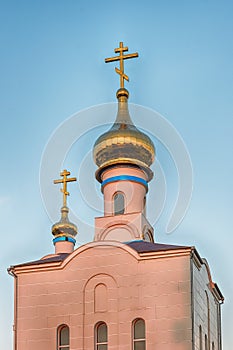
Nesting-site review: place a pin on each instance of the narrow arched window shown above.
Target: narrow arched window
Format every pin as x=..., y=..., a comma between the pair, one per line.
x=144, y=206
x=119, y=203
x=63, y=338
x=101, y=336
x=206, y=342
x=200, y=337
x=213, y=346
x=139, y=335
x=207, y=345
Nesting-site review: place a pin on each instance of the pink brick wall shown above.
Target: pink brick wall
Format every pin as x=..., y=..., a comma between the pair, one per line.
x=157, y=290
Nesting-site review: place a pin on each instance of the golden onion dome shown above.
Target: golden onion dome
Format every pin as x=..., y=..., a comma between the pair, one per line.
x=64, y=228
x=123, y=143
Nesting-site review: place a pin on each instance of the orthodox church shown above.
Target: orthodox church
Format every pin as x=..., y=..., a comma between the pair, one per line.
x=123, y=290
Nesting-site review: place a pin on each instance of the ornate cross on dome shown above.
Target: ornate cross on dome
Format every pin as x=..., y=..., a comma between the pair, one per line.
x=121, y=58
x=64, y=174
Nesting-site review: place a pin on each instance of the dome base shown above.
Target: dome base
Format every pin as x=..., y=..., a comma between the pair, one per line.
x=122, y=163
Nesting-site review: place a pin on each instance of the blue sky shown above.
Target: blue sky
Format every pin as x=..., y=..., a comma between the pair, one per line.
x=52, y=66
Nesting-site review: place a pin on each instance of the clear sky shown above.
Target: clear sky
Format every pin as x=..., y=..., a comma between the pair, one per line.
x=52, y=66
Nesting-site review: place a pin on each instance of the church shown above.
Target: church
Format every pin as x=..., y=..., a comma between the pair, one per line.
x=123, y=290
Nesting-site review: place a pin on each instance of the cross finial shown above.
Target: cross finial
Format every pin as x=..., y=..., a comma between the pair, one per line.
x=64, y=180
x=121, y=58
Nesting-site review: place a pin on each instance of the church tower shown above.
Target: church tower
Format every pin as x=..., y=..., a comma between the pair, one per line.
x=64, y=231
x=123, y=156
x=122, y=291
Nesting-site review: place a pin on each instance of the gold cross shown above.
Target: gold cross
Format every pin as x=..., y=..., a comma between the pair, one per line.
x=64, y=174
x=121, y=58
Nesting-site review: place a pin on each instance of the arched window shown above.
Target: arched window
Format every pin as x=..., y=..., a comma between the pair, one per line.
x=206, y=342
x=213, y=346
x=208, y=322
x=139, y=335
x=144, y=206
x=200, y=337
x=63, y=338
x=101, y=336
x=119, y=203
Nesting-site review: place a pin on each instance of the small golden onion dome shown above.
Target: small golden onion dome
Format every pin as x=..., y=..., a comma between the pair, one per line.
x=64, y=228
x=123, y=143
